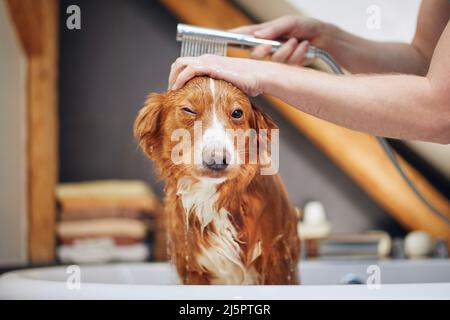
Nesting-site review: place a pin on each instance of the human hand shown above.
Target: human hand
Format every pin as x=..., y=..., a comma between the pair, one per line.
x=246, y=74
x=298, y=31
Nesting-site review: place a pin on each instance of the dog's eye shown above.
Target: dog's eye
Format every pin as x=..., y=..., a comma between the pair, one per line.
x=237, y=113
x=187, y=110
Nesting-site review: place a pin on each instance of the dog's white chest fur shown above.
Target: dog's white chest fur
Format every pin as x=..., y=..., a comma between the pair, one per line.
x=222, y=256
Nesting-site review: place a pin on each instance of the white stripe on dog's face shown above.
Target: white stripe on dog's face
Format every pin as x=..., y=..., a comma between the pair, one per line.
x=215, y=137
x=216, y=124
x=216, y=131
x=212, y=88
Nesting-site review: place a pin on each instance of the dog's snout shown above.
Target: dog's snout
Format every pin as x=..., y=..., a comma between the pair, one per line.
x=216, y=160
x=213, y=165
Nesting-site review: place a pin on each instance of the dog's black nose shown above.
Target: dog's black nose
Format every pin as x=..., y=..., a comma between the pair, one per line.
x=216, y=166
x=216, y=162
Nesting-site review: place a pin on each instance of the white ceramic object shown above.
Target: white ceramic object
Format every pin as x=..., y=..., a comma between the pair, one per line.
x=315, y=224
x=418, y=244
x=385, y=245
x=401, y=279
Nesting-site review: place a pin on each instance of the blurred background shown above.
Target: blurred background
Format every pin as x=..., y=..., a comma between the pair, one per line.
x=73, y=185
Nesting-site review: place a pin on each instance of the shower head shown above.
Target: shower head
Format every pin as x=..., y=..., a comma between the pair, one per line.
x=196, y=41
x=199, y=40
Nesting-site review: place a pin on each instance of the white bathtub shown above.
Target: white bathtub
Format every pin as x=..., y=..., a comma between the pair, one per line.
x=425, y=279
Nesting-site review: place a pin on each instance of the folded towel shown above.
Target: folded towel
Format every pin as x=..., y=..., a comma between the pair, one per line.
x=94, y=228
x=120, y=241
x=95, y=213
x=100, y=251
x=131, y=194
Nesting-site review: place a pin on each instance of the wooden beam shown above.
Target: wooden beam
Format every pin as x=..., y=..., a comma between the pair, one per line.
x=361, y=157
x=25, y=15
x=358, y=154
x=207, y=13
x=36, y=22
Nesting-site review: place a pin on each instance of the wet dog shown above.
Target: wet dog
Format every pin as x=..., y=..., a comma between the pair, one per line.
x=227, y=222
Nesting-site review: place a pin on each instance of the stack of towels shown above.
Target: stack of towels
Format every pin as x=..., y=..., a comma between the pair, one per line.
x=103, y=221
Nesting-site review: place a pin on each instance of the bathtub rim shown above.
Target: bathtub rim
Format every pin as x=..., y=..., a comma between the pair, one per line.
x=15, y=285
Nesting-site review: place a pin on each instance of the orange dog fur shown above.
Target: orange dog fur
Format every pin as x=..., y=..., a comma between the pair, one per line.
x=227, y=223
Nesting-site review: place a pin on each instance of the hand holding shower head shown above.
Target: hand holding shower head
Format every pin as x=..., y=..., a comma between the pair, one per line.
x=196, y=41
x=200, y=40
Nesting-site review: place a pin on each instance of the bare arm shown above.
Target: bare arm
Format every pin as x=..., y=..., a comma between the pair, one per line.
x=414, y=107
x=359, y=55
x=398, y=106
x=356, y=54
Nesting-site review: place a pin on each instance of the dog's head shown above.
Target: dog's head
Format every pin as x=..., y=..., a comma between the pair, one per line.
x=207, y=129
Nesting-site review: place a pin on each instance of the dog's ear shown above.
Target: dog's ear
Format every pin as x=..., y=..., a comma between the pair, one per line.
x=263, y=125
x=147, y=125
x=261, y=120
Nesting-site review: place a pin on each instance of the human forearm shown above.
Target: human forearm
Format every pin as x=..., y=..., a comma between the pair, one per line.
x=385, y=105
x=359, y=55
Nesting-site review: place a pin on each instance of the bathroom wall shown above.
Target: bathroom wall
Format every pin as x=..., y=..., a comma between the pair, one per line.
x=13, y=237
x=124, y=51
x=397, y=18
